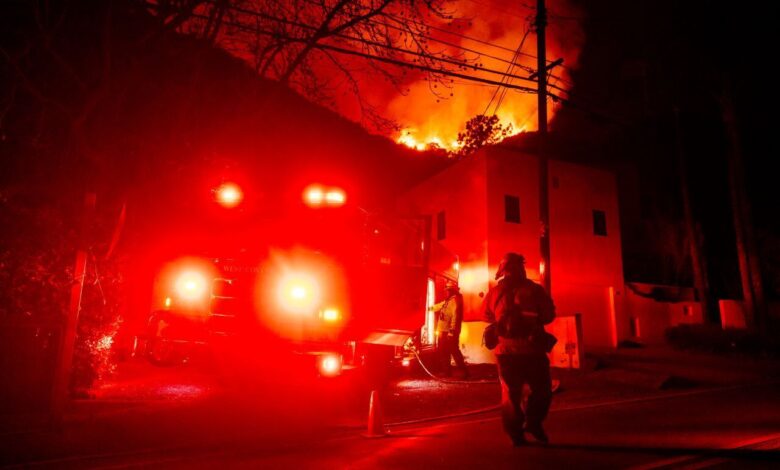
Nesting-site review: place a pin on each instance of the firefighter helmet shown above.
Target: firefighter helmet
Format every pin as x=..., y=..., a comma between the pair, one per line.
x=511, y=263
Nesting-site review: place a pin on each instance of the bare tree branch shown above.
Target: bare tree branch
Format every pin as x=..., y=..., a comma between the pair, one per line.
x=287, y=40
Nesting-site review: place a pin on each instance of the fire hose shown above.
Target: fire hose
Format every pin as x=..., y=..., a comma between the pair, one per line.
x=439, y=379
x=555, y=382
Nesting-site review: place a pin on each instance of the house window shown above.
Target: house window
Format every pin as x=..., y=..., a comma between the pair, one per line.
x=441, y=226
x=512, y=209
x=599, y=223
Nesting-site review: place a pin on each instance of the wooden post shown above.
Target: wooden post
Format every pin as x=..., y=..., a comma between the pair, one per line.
x=59, y=396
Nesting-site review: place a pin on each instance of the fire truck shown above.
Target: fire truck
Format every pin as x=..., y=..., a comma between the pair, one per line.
x=321, y=280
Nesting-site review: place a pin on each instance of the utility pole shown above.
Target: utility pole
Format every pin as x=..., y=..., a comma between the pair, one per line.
x=544, y=197
x=59, y=395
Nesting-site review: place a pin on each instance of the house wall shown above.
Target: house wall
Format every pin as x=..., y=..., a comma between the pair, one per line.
x=587, y=269
x=648, y=319
x=579, y=255
x=516, y=174
x=460, y=192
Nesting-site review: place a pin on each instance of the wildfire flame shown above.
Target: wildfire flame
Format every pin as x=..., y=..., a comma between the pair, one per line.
x=479, y=59
x=407, y=137
x=433, y=118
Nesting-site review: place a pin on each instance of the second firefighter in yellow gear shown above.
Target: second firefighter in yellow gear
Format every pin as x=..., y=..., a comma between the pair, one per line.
x=450, y=318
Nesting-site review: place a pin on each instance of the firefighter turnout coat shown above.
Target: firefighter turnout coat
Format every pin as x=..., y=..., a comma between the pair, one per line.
x=528, y=299
x=450, y=313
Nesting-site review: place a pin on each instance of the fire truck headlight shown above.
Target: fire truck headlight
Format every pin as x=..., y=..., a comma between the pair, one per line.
x=329, y=365
x=191, y=286
x=330, y=315
x=298, y=293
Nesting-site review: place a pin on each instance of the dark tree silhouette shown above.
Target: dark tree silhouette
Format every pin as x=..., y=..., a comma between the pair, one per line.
x=481, y=130
x=326, y=50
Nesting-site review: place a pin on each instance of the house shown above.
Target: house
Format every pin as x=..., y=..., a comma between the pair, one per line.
x=488, y=204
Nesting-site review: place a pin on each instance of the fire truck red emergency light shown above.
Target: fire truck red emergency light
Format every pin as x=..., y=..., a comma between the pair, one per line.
x=229, y=195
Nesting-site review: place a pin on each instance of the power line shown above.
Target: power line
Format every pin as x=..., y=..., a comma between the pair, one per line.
x=401, y=63
x=475, y=81
x=388, y=60
x=422, y=67
x=396, y=28
x=504, y=90
x=432, y=58
x=455, y=62
x=453, y=33
x=461, y=47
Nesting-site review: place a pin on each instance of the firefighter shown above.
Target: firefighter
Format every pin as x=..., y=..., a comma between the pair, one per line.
x=450, y=313
x=521, y=308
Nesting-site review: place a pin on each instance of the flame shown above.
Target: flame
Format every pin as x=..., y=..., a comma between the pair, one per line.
x=406, y=137
x=432, y=111
x=432, y=115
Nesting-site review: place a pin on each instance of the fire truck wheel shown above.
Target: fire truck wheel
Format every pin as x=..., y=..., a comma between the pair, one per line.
x=161, y=351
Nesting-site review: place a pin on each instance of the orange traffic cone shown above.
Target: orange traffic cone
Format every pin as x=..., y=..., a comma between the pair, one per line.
x=376, y=424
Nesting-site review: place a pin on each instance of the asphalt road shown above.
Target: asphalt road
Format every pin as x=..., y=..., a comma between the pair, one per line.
x=736, y=427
